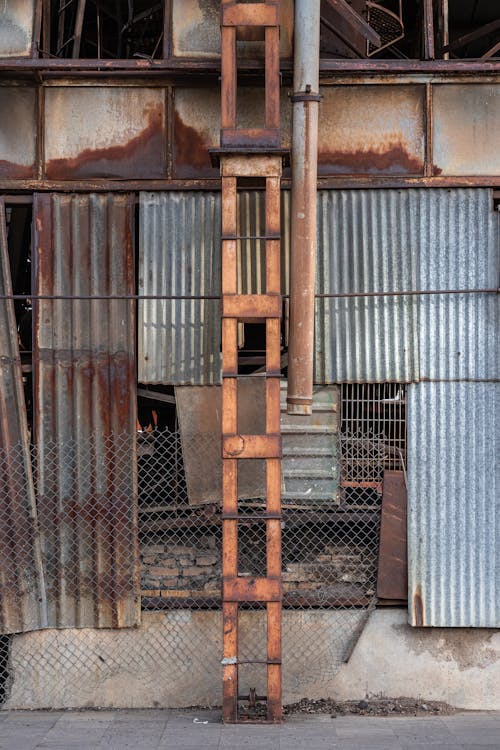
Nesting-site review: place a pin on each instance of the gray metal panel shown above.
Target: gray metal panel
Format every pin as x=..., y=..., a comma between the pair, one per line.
x=16, y=28
x=366, y=242
x=458, y=248
x=180, y=254
x=85, y=409
x=454, y=504
x=22, y=596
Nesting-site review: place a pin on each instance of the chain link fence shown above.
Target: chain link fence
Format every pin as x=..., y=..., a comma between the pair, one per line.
x=88, y=579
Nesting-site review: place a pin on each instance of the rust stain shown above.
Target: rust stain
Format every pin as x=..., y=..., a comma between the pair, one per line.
x=11, y=169
x=142, y=157
x=191, y=157
x=390, y=157
x=418, y=608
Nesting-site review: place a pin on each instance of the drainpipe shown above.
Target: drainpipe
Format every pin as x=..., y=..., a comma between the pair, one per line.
x=305, y=101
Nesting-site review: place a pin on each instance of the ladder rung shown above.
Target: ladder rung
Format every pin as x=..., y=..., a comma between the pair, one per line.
x=251, y=446
x=250, y=14
x=244, y=306
x=252, y=589
x=251, y=516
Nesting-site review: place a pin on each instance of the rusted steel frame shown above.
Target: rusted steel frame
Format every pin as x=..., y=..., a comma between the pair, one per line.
x=429, y=131
x=77, y=37
x=304, y=201
x=492, y=51
x=432, y=67
x=473, y=36
x=354, y=20
x=428, y=29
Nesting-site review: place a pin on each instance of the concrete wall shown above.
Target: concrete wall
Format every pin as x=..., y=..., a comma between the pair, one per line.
x=172, y=660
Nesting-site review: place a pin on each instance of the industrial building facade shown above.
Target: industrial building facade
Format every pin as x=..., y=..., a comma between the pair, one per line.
x=111, y=353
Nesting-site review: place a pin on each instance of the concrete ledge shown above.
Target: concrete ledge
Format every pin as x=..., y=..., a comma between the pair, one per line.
x=173, y=660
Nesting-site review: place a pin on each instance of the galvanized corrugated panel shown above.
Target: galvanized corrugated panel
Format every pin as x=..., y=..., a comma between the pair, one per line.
x=458, y=247
x=85, y=409
x=180, y=254
x=454, y=504
x=366, y=243
x=22, y=595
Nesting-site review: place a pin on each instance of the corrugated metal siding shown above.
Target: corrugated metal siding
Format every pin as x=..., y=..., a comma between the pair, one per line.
x=85, y=409
x=180, y=254
x=458, y=248
x=454, y=504
x=22, y=596
x=366, y=242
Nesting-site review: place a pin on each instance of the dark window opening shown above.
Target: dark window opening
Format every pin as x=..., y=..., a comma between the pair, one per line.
x=19, y=220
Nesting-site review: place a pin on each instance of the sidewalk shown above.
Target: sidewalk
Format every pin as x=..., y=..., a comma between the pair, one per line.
x=202, y=730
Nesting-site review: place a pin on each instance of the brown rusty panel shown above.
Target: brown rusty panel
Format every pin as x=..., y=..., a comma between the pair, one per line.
x=392, y=580
x=17, y=19
x=196, y=31
x=251, y=446
x=105, y=131
x=200, y=409
x=251, y=589
x=84, y=374
x=197, y=124
x=244, y=306
x=250, y=14
x=372, y=130
x=465, y=129
x=18, y=132
x=22, y=602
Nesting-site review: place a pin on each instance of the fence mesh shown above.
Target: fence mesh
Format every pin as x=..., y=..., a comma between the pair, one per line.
x=83, y=522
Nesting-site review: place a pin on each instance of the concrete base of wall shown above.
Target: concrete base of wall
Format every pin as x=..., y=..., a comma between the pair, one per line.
x=173, y=660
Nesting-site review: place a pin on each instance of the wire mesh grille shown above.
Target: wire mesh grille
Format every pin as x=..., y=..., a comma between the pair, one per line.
x=85, y=528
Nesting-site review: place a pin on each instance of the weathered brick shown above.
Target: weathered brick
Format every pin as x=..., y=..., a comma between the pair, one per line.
x=149, y=559
x=207, y=560
x=161, y=571
x=153, y=549
x=193, y=571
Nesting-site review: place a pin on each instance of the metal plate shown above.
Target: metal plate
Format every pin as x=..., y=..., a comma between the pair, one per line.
x=16, y=28
x=104, y=131
x=17, y=131
x=371, y=130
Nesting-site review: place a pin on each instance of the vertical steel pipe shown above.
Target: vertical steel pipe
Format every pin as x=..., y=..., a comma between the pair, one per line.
x=305, y=101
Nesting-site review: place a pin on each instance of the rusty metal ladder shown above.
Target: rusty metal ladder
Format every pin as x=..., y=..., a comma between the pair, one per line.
x=253, y=153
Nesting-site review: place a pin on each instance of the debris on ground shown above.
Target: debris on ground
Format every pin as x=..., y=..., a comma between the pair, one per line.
x=370, y=707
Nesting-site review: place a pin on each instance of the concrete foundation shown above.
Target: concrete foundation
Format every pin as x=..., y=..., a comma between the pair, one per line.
x=173, y=660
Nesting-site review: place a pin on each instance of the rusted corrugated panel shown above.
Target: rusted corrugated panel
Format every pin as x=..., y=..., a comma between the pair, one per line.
x=454, y=504
x=197, y=123
x=196, y=30
x=457, y=242
x=465, y=129
x=366, y=243
x=105, y=131
x=17, y=19
x=179, y=254
x=22, y=595
x=85, y=409
x=392, y=577
x=18, y=131
x=371, y=129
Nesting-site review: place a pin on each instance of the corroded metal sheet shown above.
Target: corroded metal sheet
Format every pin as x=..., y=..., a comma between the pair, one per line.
x=196, y=31
x=372, y=130
x=17, y=18
x=392, y=577
x=22, y=595
x=454, y=504
x=466, y=138
x=85, y=409
x=105, y=131
x=17, y=131
x=197, y=123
